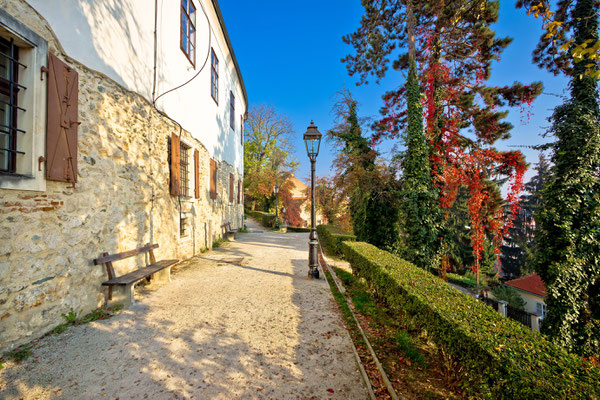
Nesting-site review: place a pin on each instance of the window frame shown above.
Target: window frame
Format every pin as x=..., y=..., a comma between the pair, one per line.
x=191, y=44
x=8, y=89
x=184, y=170
x=30, y=173
x=232, y=110
x=214, y=76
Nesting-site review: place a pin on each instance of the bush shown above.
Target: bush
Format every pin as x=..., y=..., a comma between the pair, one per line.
x=510, y=295
x=297, y=229
x=331, y=237
x=265, y=219
x=461, y=280
x=502, y=358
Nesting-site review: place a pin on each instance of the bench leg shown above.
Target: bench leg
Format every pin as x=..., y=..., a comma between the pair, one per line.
x=122, y=295
x=162, y=276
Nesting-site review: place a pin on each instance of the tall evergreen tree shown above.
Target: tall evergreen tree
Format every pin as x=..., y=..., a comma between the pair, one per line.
x=568, y=258
x=519, y=246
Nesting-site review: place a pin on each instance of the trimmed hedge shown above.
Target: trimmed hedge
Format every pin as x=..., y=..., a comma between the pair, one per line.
x=265, y=219
x=297, y=229
x=461, y=280
x=331, y=237
x=503, y=359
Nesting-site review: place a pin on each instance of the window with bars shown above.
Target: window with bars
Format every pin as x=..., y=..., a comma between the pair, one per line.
x=214, y=76
x=232, y=110
x=188, y=30
x=183, y=221
x=9, y=107
x=184, y=189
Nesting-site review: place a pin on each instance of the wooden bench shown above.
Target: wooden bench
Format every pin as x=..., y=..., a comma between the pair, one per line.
x=229, y=233
x=123, y=285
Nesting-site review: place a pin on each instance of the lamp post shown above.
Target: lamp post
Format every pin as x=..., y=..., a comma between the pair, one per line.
x=276, y=190
x=312, y=140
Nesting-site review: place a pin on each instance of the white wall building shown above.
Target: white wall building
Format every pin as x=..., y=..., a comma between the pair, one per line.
x=121, y=124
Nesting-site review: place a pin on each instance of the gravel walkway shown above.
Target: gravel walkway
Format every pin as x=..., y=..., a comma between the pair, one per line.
x=242, y=322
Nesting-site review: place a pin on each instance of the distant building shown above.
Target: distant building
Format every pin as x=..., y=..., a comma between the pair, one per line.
x=533, y=292
x=300, y=193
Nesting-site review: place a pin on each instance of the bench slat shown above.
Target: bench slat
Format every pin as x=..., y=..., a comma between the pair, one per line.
x=139, y=274
x=125, y=254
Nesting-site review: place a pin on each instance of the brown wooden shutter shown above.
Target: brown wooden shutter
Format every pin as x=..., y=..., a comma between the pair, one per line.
x=231, y=182
x=175, y=165
x=61, y=130
x=239, y=197
x=197, y=173
x=213, y=179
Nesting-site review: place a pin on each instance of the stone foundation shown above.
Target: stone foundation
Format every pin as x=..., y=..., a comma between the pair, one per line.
x=121, y=201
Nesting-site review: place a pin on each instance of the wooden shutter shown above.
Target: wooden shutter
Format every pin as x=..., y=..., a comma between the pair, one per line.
x=231, y=182
x=197, y=173
x=175, y=165
x=239, y=197
x=213, y=179
x=61, y=130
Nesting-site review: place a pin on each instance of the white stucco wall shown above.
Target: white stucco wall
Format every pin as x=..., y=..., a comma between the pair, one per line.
x=530, y=301
x=116, y=37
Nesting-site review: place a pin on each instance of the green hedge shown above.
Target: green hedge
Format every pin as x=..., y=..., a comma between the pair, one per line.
x=265, y=219
x=461, y=280
x=331, y=237
x=297, y=229
x=502, y=358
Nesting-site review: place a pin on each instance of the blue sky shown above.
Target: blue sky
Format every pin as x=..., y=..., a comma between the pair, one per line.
x=289, y=54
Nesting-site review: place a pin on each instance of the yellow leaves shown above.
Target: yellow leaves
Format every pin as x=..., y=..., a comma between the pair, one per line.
x=499, y=348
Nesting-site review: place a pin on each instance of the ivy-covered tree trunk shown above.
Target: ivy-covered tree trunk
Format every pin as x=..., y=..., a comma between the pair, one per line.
x=569, y=235
x=418, y=201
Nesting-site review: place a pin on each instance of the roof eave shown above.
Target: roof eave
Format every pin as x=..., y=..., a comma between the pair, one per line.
x=235, y=62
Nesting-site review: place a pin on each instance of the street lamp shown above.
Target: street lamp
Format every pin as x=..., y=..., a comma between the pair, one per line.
x=312, y=140
x=276, y=190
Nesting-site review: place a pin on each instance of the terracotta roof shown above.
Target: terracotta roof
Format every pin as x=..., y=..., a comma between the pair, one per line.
x=530, y=283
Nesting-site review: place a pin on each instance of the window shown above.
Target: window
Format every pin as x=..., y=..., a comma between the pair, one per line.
x=9, y=104
x=540, y=309
x=184, y=163
x=214, y=76
x=188, y=30
x=183, y=221
x=23, y=99
x=232, y=110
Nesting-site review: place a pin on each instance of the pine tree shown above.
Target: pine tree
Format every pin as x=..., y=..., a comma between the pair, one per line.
x=568, y=257
x=519, y=246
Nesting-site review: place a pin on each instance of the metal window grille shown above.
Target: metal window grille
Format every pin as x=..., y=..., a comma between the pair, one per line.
x=182, y=226
x=188, y=30
x=184, y=170
x=9, y=108
x=214, y=76
x=232, y=110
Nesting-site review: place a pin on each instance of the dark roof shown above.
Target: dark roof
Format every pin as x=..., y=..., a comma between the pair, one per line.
x=530, y=283
x=237, y=67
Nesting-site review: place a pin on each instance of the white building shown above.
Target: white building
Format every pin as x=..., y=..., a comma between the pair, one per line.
x=121, y=123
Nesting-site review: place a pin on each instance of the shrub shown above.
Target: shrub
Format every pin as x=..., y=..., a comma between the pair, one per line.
x=331, y=237
x=503, y=359
x=265, y=219
x=510, y=295
x=297, y=229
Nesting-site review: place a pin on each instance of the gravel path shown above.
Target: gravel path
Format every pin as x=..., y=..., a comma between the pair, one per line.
x=243, y=322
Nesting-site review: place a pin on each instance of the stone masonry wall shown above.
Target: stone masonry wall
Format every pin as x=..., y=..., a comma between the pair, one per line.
x=121, y=201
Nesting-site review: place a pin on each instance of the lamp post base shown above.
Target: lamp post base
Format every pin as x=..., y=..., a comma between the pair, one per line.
x=313, y=274
x=313, y=260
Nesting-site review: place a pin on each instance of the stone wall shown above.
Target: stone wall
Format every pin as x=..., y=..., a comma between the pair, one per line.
x=121, y=201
